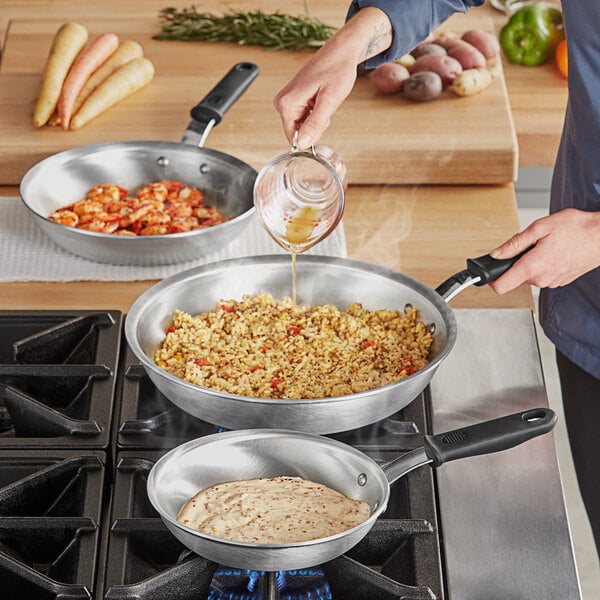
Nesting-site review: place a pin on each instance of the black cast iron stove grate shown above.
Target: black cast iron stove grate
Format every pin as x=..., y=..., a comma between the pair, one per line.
x=57, y=378
x=81, y=425
x=51, y=505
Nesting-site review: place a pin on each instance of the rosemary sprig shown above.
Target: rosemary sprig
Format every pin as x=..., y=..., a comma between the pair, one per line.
x=255, y=28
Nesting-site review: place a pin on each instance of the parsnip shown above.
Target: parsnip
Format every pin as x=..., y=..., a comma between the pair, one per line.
x=67, y=44
x=126, y=52
x=122, y=83
x=472, y=81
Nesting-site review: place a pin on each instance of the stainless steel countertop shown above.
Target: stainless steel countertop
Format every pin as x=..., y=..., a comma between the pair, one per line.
x=503, y=518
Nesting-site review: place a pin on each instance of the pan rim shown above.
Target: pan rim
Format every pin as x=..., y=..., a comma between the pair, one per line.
x=138, y=306
x=191, y=445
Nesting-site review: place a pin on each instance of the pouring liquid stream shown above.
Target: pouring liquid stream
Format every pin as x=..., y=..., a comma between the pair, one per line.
x=299, y=230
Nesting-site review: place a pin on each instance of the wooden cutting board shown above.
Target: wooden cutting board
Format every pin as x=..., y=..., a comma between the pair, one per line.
x=383, y=139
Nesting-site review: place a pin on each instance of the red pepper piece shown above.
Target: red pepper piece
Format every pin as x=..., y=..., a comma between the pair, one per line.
x=170, y=329
x=276, y=382
x=227, y=308
x=367, y=344
x=200, y=361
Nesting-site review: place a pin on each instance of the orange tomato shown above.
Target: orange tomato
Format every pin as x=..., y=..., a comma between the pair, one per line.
x=560, y=56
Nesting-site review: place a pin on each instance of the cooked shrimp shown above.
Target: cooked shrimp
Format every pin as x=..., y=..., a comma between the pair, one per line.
x=85, y=207
x=157, y=208
x=181, y=224
x=155, y=230
x=153, y=191
x=106, y=192
x=65, y=217
x=179, y=209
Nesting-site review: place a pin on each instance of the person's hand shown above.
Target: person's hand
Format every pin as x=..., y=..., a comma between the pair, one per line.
x=310, y=99
x=315, y=92
x=564, y=246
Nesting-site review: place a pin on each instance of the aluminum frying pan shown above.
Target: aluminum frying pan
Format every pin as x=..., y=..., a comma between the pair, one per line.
x=321, y=280
x=250, y=454
x=227, y=184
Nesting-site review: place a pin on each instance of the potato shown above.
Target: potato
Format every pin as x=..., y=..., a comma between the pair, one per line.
x=447, y=39
x=445, y=66
x=406, y=60
x=485, y=42
x=423, y=49
x=494, y=64
x=472, y=81
x=423, y=86
x=389, y=78
x=467, y=55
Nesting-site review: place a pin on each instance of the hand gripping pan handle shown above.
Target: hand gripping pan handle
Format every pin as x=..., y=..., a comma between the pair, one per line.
x=479, y=271
x=482, y=438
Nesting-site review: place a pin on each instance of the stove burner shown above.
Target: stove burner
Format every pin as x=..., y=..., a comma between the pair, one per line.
x=238, y=584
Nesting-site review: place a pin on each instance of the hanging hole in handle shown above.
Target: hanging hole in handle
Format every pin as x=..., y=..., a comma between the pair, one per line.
x=244, y=66
x=534, y=415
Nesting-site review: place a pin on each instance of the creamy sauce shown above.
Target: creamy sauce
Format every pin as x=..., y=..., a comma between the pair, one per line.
x=278, y=510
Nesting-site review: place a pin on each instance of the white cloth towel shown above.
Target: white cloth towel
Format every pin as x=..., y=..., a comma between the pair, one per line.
x=27, y=254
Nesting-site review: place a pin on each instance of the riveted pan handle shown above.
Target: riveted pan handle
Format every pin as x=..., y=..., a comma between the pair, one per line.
x=479, y=271
x=211, y=109
x=489, y=436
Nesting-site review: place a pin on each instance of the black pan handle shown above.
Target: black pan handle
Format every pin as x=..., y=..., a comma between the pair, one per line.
x=489, y=436
x=487, y=269
x=222, y=97
x=479, y=271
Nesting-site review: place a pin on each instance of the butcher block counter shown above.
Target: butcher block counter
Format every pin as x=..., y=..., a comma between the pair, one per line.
x=384, y=139
x=537, y=96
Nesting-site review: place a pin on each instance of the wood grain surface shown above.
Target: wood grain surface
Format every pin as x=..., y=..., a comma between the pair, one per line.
x=538, y=95
x=383, y=139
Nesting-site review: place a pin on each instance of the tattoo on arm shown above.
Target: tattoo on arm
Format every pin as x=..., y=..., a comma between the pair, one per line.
x=375, y=43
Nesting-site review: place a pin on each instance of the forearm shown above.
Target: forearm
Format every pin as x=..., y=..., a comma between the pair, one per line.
x=367, y=34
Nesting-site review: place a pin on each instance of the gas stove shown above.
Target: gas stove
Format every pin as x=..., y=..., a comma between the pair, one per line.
x=81, y=426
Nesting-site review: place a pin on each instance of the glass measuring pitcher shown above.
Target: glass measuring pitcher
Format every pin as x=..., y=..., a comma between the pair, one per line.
x=299, y=196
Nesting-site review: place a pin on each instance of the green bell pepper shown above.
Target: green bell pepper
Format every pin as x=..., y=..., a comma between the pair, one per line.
x=532, y=34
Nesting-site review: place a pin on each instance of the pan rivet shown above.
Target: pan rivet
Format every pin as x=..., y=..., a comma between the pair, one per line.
x=431, y=328
x=361, y=479
x=407, y=306
x=162, y=161
x=204, y=168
